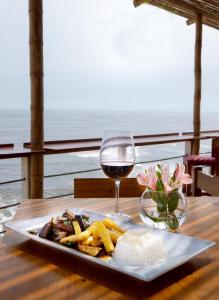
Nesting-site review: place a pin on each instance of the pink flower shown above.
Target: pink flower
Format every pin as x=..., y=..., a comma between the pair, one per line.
x=149, y=178
x=168, y=188
x=152, y=178
x=142, y=179
x=165, y=175
x=180, y=170
x=186, y=179
x=152, y=183
x=180, y=177
x=161, y=178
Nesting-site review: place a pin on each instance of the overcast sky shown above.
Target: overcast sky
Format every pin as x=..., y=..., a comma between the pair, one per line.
x=103, y=54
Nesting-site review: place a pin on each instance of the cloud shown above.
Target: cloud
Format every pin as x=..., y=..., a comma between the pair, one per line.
x=106, y=54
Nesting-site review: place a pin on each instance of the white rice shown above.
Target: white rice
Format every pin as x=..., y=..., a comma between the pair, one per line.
x=139, y=247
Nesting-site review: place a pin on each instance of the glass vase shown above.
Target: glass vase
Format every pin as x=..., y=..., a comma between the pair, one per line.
x=163, y=210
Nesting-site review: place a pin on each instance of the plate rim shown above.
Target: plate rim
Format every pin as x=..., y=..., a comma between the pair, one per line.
x=12, y=226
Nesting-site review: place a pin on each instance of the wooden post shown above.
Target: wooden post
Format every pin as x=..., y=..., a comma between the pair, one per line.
x=197, y=93
x=188, y=147
x=215, y=153
x=36, y=83
x=196, y=191
x=25, y=170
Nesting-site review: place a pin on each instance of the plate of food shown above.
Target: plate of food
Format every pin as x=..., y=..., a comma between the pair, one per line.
x=136, y=250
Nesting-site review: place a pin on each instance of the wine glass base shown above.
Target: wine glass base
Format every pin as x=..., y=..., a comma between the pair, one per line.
x=122, y=217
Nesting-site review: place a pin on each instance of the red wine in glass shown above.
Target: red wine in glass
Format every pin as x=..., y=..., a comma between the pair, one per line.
x=117, y=169
x=117, y=158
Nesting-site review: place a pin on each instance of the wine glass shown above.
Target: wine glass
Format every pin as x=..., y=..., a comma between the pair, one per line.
x=117, y=158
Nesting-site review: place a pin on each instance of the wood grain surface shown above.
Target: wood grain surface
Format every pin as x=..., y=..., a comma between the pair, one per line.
x=32, y=271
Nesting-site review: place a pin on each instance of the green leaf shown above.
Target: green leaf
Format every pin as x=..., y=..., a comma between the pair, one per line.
x=162, y=205
x=171, y=221
x=173, y=201
x=173, y=178
x=159, y=167
x=70, y=244
x=160, y=187
x=159, y=175
x=161, y=202
x=154, y=219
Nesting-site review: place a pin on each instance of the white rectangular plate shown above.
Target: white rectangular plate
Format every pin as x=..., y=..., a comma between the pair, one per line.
x=179, y=248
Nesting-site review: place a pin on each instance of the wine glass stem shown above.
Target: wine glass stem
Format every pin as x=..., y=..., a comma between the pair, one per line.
x=117, y=185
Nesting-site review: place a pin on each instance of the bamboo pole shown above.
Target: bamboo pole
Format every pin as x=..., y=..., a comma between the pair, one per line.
x=197, y=92
x=36, y=86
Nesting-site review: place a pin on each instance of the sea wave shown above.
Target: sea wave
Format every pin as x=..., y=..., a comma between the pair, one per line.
x=87, y=154
x=95, y=154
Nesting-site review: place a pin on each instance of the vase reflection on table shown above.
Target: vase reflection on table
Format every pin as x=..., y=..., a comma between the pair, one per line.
x=163, y=205
x=117, y=158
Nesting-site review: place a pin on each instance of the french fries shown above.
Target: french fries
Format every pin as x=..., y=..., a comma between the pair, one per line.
x=114, y=236
x=110, y=224
x=99, y=238
x=93, y=251
x=105, y=236
x=76, y=238
x=76, y=227
x=92, y=241
x=106, y=232
x=93, y=230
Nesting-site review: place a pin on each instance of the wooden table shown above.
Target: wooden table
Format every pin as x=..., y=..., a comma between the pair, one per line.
x=32, y=271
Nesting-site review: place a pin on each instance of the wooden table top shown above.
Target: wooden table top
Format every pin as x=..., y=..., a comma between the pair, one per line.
x=32, y=271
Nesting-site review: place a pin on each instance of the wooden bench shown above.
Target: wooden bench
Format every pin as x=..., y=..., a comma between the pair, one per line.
x=105, y=188
x=204, y=182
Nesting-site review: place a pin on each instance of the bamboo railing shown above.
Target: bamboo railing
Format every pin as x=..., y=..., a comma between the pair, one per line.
x=59, y=147
x=67, y=146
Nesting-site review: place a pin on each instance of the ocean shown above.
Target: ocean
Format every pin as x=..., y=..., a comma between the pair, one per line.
x=71, y=124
